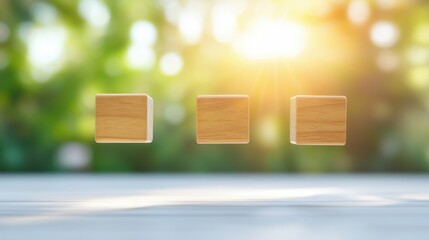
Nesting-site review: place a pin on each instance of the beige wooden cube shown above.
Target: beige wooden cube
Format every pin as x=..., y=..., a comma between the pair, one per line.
x=123, y=118
x=222, y=119
x=318, y=120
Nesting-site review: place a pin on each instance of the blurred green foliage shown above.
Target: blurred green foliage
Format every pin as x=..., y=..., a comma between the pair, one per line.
x=56, y=55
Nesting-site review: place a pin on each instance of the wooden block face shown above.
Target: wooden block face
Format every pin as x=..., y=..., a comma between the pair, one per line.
x=222, y=119
x=318, y=120
x=123, y=118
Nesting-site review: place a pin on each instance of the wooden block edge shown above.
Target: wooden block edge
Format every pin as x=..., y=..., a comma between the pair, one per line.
x=293, y=120
x=223, y=96
x=224, y=142
x=294, y=100
x=149, y=114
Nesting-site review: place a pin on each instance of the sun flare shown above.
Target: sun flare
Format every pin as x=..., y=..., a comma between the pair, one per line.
x=266, y=39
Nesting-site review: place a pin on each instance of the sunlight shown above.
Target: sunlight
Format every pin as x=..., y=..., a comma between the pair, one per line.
x=266, y=39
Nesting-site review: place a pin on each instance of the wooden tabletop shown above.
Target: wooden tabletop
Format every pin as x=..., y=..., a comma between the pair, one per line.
x=214, y=207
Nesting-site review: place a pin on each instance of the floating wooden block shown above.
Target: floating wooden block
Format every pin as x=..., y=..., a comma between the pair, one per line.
x=318, y=120
x=222, y=119
x=123, y=118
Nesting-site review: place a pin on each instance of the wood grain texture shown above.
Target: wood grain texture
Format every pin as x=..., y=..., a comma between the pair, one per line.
x=222, y=119
x=123, y=118
x=318, y=120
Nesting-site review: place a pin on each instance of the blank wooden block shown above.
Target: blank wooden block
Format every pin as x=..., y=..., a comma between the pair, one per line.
x=222, y=119
x=123, y=118
x=318, y=120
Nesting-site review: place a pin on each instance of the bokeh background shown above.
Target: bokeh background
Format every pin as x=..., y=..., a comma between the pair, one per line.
x=56, y=55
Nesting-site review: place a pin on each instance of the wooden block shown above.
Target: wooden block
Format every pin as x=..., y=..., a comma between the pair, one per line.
x=123, y=118
x=222, y=119
x=318, y=120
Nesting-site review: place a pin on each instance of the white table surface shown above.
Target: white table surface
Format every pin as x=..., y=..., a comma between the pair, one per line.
x=147, y=206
